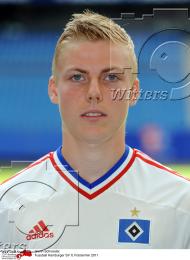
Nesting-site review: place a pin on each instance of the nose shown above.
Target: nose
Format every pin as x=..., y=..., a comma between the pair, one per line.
x=94, y=94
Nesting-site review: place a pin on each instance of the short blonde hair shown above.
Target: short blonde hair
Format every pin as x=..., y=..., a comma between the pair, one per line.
x=93, y=27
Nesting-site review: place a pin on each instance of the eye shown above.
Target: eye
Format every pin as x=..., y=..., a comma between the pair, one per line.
x=78, y=77
x=111, y=77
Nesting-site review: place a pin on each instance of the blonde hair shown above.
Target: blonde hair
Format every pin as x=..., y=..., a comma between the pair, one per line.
x=92, y=26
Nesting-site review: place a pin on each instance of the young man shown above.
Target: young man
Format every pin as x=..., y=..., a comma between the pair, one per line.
x=94, y=191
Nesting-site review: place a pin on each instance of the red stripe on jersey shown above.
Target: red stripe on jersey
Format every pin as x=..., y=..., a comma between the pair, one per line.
x=67, y=179
x=28, y=167
x=98, y=192
x=150, y=161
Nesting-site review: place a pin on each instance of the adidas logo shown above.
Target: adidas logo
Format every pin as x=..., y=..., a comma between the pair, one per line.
x=39, y=231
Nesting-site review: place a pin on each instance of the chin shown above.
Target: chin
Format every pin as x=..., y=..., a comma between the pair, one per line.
x=95, y=138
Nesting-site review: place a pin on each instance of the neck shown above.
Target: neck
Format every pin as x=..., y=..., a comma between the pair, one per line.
x=92, y=160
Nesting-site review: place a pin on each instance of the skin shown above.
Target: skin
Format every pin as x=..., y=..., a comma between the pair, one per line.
x=86, y=73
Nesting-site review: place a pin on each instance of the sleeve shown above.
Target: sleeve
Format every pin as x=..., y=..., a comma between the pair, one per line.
x=187, y=232
x=6, y=227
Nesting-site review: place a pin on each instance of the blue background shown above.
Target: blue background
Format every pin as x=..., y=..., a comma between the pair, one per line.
x=30, y=125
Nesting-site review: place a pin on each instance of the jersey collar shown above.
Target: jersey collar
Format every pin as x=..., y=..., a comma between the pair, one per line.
x=105, y=176
x=92, y=190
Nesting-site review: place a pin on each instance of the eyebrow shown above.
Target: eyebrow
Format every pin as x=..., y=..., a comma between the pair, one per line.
x=113, y=68
x=103, y=71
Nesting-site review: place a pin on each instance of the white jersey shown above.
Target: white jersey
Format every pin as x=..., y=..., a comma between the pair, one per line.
x=138, y=203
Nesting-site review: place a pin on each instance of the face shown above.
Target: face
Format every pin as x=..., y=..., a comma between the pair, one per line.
x=89, y=73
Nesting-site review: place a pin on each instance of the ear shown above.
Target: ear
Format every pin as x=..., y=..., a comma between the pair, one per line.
x=134, y=95
x=52, y=90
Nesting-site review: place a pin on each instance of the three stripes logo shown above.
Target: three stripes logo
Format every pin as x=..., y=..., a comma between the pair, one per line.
x=39, y=231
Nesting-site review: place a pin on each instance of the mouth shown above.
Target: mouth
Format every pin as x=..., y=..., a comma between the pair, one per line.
x=94, y=114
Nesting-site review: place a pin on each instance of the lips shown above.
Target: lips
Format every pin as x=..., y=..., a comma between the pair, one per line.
x=93, y=114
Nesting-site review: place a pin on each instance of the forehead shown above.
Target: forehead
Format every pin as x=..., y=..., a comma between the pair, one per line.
x=94, y=55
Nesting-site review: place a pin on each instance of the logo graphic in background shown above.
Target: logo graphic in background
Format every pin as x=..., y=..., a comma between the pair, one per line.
x=163, y=50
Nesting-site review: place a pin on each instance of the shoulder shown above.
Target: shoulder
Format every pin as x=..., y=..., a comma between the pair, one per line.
x=30, y=172
x=34, y=183
x=150, y=165
x=161, y=184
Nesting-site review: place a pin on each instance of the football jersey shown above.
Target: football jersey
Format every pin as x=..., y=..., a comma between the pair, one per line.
x=138, y=203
